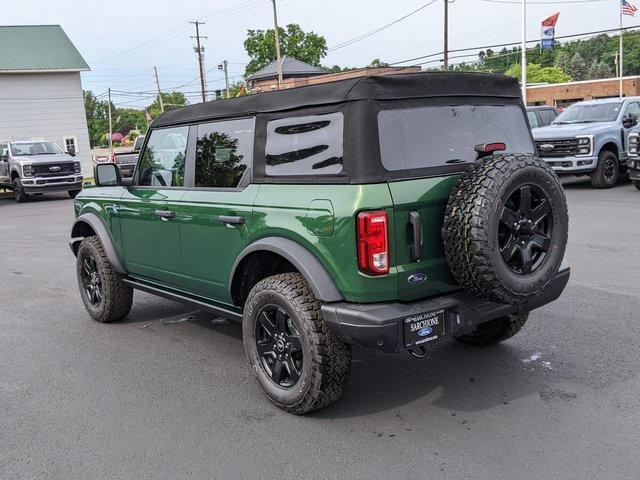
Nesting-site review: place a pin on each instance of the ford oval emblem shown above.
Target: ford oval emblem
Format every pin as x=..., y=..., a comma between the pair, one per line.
x=417, y=278
x=423, y=332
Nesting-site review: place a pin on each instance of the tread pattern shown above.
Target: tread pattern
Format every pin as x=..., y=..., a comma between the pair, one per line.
x=117, y=297
x=467, y=228
x=495, y=331
x=331, y=356
x=597, y=176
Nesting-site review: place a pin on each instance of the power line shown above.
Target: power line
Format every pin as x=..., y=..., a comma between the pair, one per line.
x=498, y=45
x=379, y=29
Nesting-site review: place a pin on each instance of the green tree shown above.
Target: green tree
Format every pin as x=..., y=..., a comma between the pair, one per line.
x=538, y=74
x=377, y=63
x=260, y=45
x=171, y=100
x=599, y=70
x=97, y=117
x=578, y=67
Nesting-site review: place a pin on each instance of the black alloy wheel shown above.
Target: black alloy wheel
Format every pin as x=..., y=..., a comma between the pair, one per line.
x=610, y=170
x=279, y=346
x=524, y=236
x=91, y=281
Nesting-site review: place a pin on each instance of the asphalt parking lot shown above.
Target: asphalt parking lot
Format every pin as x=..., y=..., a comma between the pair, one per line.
x=167, y=394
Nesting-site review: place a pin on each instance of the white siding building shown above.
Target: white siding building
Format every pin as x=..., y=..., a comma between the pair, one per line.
x=40, y=88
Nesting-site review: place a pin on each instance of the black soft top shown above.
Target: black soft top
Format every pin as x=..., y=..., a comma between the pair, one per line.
x=386, y=87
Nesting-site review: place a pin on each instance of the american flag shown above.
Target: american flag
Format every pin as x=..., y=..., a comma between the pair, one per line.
x=628, y=9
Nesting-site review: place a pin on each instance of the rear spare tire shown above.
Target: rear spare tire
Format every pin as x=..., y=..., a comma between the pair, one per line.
x=505, y=228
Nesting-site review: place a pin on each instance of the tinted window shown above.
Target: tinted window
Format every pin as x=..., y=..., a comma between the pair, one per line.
x=434, y=136
x=309, y=145
x=4, y=151
x=533, y=119
x=35, y=148
x=223, y=151
x=547, y=115
x=162, y=163
x=632, y=109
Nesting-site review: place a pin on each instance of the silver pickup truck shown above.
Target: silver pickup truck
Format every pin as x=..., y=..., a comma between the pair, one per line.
x=38, y=166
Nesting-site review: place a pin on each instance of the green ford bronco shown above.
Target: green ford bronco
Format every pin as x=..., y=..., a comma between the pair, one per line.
x=388, y=212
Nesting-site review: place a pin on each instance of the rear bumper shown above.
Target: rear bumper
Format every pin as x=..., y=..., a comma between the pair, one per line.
x=379, y=326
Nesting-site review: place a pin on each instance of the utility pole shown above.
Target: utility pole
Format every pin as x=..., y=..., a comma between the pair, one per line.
x=445, y=65
x=278, y=59
x=225, y=67
x=620, y=56
x=155, y=71
x=523, y=53
x=110, y=129
x=199, y=49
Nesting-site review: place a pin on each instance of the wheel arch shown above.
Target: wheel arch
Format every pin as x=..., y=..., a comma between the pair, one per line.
x=610, y=146
x=292, y=254
x=89, y=224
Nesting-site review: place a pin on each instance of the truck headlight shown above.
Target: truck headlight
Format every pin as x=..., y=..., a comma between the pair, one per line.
x=76, y=167
x=27, y=171
x=634, y=144
x=585, y=145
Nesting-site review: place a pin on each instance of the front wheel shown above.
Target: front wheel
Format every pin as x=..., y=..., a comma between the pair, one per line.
x=299, y=363
x=18, y=191
x=104, y=294
x=607, y=171
x=495, y=331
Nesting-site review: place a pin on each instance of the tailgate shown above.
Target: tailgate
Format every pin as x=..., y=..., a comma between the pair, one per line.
x=419, y=207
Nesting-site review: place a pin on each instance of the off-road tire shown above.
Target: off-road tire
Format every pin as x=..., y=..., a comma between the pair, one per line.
x=326, y=359
x=599, y=178
x=117, y=297
x=73, y=193
x=18, y=191
x=470, y=228
x=636, y=183
x=495, y=331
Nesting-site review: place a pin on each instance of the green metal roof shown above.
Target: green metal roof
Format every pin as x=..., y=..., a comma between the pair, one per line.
x=38, y=48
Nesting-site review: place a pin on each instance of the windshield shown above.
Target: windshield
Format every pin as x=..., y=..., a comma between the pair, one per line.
x=35, y=148
x=589, y=113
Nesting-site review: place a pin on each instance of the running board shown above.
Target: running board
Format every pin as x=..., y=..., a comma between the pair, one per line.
x=177, y=297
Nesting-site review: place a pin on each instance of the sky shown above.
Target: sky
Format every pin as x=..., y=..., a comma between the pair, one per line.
x=123, y=40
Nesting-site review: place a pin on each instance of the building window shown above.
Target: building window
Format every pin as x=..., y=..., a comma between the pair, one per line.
x=565, y=103
x=70, y=142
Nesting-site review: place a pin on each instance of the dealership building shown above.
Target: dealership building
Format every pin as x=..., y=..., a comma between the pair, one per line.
x=40, y=89
x=563, y=94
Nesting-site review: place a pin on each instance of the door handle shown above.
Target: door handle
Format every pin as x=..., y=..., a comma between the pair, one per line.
x=416, y=233
x=165, y=214
x=231, y=219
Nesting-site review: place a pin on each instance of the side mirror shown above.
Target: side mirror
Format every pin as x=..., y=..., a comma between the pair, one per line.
x=71, y=151
x=630, y=121
x=107, y=175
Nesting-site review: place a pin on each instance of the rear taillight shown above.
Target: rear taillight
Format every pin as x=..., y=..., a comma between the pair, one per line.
x=373, y=244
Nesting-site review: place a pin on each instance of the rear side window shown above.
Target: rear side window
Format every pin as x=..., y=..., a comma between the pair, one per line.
x=311, y=145
x=547, y=116
x=423, y=137
x=533, y=119
x=223, y=152
x=162, y=163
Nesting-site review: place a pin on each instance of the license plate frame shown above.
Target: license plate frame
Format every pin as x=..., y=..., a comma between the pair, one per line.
x=424, y=327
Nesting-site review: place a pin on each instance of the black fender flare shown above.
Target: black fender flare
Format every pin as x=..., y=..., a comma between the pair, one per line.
x=102, y=232
x=307, y=264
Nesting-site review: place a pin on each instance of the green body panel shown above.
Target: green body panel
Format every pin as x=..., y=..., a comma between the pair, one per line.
x=428, y=197
x=194, y=252
x=151, y=245
x=209, y=247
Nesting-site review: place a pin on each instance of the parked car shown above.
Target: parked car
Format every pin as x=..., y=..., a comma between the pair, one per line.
x=634, y=159
x=542, y=115
x=38, y=166
x=389, y=212
x=127, y=160
x=589, y=138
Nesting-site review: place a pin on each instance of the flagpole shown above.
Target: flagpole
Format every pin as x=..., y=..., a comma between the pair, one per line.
x=523, y=54
x=620, y=69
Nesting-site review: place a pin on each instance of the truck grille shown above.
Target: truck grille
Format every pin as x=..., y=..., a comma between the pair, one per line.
x=557, y=148
x=52, y=169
